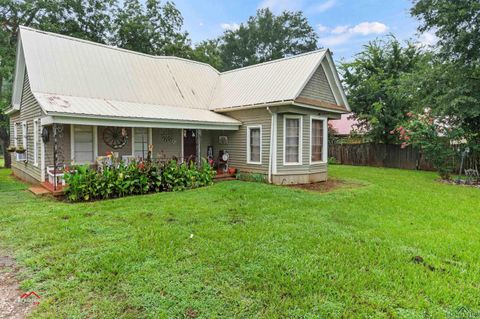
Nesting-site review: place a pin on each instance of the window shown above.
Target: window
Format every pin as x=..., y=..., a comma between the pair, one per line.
x=35, y=142
x=292, y=140
x=83, y=144
x=317, y=140
x=254, y=144
x=23, y=156
x=140, y=142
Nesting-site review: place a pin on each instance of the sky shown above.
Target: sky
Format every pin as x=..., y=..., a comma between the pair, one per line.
x=343, y=26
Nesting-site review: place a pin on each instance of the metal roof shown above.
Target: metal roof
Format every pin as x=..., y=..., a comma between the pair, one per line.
x=102, y=80
x=61, y=104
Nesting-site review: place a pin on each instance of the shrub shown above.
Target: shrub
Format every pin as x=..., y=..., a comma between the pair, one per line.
x=434, y=137
x=251, y=177
x=86, y=183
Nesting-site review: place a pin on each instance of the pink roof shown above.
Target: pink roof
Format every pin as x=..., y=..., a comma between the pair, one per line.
x=344, y=125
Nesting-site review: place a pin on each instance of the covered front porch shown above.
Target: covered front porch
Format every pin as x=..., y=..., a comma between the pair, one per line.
x=67, y=144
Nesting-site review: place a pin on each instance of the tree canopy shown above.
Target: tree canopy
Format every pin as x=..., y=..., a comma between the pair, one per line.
x=450, y=85
x=266, y=37
x=372, y=82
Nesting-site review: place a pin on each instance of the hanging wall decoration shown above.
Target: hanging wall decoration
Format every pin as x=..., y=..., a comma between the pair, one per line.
x=115, y=137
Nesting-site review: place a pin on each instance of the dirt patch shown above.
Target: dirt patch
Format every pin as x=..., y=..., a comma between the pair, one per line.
x=11, y=305
x=327, y=186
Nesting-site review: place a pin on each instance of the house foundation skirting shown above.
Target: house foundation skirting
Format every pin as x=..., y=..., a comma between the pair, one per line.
x=307, y=178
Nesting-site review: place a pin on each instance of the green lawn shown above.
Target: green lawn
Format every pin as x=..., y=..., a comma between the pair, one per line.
x=257, y=251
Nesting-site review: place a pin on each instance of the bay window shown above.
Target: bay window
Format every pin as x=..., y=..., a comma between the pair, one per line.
x=318, y=136
x=292, y=140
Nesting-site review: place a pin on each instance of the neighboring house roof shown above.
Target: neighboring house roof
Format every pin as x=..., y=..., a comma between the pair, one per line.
x=78, y=77
x=345, y=125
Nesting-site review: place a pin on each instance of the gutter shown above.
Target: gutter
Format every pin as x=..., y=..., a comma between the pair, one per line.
x=253, y=106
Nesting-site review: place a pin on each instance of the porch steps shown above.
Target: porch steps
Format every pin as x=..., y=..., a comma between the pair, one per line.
x=39, y=190
x=224, y=177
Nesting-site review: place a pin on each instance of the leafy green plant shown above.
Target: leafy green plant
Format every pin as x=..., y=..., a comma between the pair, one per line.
x=251, y=177
x=434, y=137
x=86, y=183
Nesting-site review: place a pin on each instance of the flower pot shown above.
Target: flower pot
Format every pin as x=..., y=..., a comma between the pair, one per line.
x=11, y=149
x=20, y=150
x=232, y=170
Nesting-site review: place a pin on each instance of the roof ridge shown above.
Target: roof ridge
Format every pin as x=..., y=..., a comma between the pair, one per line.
x=275, y=61
x=107, y=46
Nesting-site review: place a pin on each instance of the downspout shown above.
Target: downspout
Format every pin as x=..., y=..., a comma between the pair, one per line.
x=270, y=156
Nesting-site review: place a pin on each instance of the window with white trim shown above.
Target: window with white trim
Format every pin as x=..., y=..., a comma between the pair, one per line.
x=292, y=140
x=83, y=144
x=140, y=142
x=254, y=144
x=35, y=142
x=317, y=140
x=23, y=156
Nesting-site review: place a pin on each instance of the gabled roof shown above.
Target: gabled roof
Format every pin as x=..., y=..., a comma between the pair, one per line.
x=92, y=77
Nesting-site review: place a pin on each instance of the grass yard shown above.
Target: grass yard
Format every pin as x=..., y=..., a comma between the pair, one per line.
x=246, y=250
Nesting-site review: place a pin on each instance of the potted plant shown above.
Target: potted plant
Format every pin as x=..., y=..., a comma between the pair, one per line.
x=11, y=149
x=232, y=170
x=20, y=150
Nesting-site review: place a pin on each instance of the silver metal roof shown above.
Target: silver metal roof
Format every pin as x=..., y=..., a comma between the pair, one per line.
x=96, y=79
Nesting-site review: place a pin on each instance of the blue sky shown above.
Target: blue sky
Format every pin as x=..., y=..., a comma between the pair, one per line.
x=342, y=25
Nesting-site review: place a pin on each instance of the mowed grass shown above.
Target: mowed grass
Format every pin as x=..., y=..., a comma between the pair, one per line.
x=248, y=250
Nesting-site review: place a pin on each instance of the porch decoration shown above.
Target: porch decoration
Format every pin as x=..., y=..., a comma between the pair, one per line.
x=115, y=137
x=20, y=150
x=11, y=149
x=45, y=135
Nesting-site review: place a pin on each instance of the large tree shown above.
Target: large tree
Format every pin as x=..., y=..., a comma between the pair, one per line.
x=149, y=27
x=372, y=81
x=265, y=37
x=450, y=86
x=89, y=19
x=152, y=28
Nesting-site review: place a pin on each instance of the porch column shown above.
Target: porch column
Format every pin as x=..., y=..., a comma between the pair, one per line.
x=199, y=150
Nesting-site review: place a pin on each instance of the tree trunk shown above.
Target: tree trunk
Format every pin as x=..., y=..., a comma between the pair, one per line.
x=6, y=154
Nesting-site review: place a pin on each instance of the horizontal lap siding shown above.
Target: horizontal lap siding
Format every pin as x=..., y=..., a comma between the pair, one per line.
x=103, y=148
x=318, y=87
x=64, y=146
x=167, y=143
x=29, y=111
x=237, y=140
x=305, y=168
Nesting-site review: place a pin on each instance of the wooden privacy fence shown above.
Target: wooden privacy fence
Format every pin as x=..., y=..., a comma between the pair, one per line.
x=386, y=155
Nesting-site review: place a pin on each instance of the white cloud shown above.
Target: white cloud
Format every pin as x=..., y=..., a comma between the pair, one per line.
x=280, y=5
x=343, y=33
x=340, y=29
x=230, y=26
x=321, y=28
x=324, y=6
x=366, y=28
x=427, y=39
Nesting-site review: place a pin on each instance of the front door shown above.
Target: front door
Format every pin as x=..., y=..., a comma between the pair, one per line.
x=189, y=145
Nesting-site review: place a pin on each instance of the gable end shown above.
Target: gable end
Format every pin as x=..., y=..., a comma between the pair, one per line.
x=318, y=88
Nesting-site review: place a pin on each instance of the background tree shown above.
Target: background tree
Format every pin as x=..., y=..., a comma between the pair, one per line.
x=152, y=28
x=372, y=82
x=208, y=52
x=266, y=37
x=88, y=19
x=450, y=86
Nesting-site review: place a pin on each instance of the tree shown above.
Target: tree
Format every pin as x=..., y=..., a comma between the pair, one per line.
x=372, y=82
x=450, y=86
x=266, y=37
x=88, y=19
x=208, y=52
x=152, y=28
